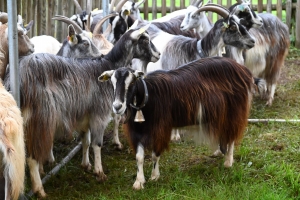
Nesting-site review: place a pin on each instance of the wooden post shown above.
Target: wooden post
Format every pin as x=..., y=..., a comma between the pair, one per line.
x=182, y=4
x=163, y=8
x=259, y=6
x=19, y=3
x=146, y=11
x=154, y=10
x=269, y=6
x=288, y=14
x=59, y=33
x=172, y=6
x=220, y=3
x=297, y=43
x=279, y=9
x=24, y=11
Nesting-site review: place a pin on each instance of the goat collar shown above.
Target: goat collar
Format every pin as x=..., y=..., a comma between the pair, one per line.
x=145, y=100
x=200, y=50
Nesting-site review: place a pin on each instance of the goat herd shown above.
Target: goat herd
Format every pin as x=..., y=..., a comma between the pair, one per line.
x=200, y=76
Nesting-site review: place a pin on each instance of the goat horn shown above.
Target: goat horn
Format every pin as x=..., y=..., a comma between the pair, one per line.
x=3, y=17
x=111, y=7
x=139, y=3
x=120, y=5
x=197, y=3
x=219, y=10
x=78, y=7
x=217, y=5
x=77, y=28
x=98, y=26
x=88, y=23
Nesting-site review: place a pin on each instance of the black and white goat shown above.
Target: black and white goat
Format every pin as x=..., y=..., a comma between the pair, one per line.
x=266, y=59
x=177, y=50
x=213, y=95
x=59, y=93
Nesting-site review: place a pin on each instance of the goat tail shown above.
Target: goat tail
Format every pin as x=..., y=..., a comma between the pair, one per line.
x=12, y=146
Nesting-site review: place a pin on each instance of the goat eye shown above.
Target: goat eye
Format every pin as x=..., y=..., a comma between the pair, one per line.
x=193, y=16
x=20, y=33
x=86, y=43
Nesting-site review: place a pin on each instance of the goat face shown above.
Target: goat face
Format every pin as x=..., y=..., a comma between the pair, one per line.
x=192, y=19
x=24, y=44
x=123, y=80
x=133, y=8
x=143, y=48
x=248, y=17
x=235, y=34
x=78, y=45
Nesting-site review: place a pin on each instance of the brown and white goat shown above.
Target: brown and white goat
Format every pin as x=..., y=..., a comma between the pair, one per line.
x=211, y=94
x=25, y=47
x=12, y=147
x=59, y=93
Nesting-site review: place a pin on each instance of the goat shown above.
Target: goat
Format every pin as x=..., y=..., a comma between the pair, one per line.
x=66, y=89
x=12, y=147
x=25, y=47
x=226, y=31
x=266, y=59
x=211, y=94
x=45, y=44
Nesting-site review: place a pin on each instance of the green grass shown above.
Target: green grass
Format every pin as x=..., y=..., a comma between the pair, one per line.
x=266, y=162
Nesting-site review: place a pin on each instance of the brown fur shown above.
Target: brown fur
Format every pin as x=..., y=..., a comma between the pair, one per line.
x=24, y=45
x=222, y=87
x=12, y=147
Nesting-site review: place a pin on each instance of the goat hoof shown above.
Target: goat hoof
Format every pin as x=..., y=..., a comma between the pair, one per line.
x=217, y=153
x=87, y=167
x=101, y=177
x=154, y=178
x=41, y=193
x=138, y=185
x=228, y=163
x=118, y=146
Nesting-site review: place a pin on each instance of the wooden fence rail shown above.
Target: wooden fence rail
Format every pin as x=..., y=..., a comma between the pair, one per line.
x=42, y=11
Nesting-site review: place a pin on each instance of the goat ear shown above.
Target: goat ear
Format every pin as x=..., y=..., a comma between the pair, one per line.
x=105, y=76
x=138, y=74
x=137, y=33
x=29, y=25
x=72, y=35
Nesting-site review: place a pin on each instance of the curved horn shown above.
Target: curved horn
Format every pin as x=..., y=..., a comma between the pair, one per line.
x=78, y=7
x=77, y=28
x=217, y=5
x=120, y=5
x=3, y=17
x=219, y=10
x=111, y=7
x=197, y=3
x=98, y=26
x=139, y=3
x=88, y=23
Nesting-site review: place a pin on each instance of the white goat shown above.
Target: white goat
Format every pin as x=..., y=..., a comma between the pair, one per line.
x=45, y=44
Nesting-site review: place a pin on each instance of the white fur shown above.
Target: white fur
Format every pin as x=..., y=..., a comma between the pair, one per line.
x=45, y=44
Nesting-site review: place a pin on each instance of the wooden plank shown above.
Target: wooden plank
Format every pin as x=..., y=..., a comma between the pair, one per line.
x=35, y=18
x=24, y=11
x=19, y=5
x=172, y=6
x=182, y=4
x=59, y=25
x=297, y=42
x=163, y=7
x=269, y=6
x=279, y=9
x=154, y=10
x=259, y=6
x=220, y=3
x=288, y=13
x=146, y=10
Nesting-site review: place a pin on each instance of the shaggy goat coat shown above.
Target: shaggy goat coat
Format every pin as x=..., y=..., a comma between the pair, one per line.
x=12, y=147
x=214, y=93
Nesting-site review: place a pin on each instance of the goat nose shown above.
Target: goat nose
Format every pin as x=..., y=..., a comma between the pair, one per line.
x=117, y=105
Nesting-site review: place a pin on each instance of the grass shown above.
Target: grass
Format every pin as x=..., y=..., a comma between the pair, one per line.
x=266, y=162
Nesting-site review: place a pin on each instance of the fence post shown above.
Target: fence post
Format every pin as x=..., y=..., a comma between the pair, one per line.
x=297, y=43
x=279, y=9
x=259, y=6
x=269, y=6
x=288, y=12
